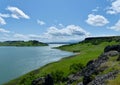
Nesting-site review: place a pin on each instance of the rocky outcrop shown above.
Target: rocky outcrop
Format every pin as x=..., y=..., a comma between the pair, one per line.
x=93, y=68
x=48, y=80
x=100, y=80
x=112, y=48
x=38, y=81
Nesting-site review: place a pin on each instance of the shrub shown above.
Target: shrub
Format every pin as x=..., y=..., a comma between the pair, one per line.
x=76, y=67
x=57, y=76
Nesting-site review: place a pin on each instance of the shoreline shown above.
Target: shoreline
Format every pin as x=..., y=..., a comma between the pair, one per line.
x=38, y=69
x=58, y=61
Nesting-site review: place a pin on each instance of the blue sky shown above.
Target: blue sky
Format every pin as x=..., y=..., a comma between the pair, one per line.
x=58, y=20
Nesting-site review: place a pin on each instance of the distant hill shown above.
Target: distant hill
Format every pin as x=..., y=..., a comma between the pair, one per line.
x=22, y=43
x=68, y=42
x=98, y=40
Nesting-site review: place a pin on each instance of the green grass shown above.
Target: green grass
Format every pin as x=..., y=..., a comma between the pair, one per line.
x=87, y=52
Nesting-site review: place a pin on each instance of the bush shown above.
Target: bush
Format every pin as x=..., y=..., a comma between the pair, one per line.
x=57, y=76
x=76, y=67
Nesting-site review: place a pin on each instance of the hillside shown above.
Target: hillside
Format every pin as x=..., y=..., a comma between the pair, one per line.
x=23, y=43
x=91, y=63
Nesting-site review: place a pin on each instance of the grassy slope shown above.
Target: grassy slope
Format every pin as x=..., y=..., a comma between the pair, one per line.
x=87, y=51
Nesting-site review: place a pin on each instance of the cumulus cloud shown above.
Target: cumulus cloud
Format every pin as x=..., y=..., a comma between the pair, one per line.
x=70, y=30
x=116, y=27
x=115, y=7
x=4, y=31
x=17, y=13
x=4, y=15
x=53, y=34
x=2, y=21
x=96, y=20
x=40, y=22
x=67, y=33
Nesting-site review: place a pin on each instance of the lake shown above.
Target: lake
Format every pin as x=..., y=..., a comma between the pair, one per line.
x=16, y=61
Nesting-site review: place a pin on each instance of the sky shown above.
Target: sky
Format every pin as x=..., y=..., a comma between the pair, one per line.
x=58, y=20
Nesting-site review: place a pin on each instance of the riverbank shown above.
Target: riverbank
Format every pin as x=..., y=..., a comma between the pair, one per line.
x=88, y=51
x=21, y=60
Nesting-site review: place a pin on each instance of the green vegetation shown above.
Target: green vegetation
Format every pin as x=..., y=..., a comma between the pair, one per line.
x=57, y=76
x=86, y=50
x=23, y=43
x=75, y=67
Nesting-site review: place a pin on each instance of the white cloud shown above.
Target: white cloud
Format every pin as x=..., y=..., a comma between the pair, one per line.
x=20, y=36
x=61, y=25
x=70, y=30
x=4, y=31
x=115, y=7
x=116, y=27
x=40, y=22
x=96, y=20
x=2, y=21
x=96, y=9
x=4, y=15
x=53, y=34
x=17, y=13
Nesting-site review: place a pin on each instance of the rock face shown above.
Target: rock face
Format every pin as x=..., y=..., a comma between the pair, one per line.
x=112, y=48
x=48, y=80
x=38, y=81
x=100, y=80
x=93, y=67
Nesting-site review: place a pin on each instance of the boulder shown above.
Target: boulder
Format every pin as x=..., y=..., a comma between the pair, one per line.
x=38, y=81
x=49, y=80
x=112, y=53
x=112, y=48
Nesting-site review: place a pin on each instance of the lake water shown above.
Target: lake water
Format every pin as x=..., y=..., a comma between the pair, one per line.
x=16, y=61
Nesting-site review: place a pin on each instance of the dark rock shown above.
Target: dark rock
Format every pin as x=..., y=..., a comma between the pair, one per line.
x=90, y=69
x=49, y=80
x=112, y=53
x=112, y=48
x=38, y=81
x=100, y=80
x=86, y=80
x=90, y=62
x=73, y=77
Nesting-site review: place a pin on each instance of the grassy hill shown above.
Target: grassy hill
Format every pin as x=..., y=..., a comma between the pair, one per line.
x=23, y=43
x=86, y=50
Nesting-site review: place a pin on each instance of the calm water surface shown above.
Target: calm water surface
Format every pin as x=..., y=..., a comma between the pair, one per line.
x=16, y=61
